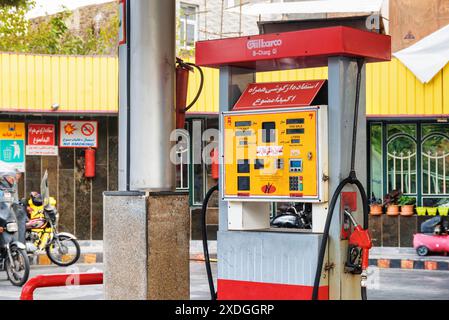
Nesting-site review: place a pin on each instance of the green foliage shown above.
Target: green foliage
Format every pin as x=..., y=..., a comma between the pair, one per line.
x=12, y=3
x=14, y=27
x=53, y=36
x=405, y=200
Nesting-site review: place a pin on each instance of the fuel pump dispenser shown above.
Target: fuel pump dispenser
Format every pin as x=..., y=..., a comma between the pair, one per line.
x=292, y=142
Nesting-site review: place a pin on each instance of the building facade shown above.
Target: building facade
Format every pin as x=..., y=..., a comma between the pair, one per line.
x=407, y=121
x=45, y=90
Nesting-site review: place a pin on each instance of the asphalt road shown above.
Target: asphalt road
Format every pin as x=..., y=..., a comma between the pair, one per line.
x=385, y=284
x=397, y=284
x=9, y=292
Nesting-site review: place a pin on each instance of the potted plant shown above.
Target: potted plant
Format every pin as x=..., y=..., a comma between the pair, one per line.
x=391, y=201
x=432, y=211
x=407, y=205
x=376, y=207
x=443, y=211
x=421, y=211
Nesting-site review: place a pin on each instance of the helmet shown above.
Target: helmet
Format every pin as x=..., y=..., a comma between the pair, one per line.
x=36, y=199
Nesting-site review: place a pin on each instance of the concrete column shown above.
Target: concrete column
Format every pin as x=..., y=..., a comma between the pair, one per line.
x=125, y=245
x=146, y=234
x=146, y=246
x=152, y=93
x=168, y=246
x=342, y=85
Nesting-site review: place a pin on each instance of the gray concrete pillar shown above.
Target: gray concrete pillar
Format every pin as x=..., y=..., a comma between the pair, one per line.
x=146, y=246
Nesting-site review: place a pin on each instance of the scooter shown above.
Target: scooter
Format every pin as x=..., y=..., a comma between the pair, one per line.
x=13, y=256
x=42, y=234
x=434, y=237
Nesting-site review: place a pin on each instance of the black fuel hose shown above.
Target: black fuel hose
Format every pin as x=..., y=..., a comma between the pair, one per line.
x=213, y=294
x=351, y=179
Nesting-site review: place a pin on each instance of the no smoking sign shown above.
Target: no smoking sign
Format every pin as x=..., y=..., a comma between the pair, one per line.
x=78, y=134
x=87, y=129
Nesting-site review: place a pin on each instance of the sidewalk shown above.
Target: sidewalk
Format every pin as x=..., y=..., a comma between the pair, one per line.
x=91, y=252
x=382, y=257
x=406, y=258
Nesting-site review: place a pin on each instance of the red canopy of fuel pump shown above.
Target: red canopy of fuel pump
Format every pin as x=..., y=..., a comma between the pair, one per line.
x=293, y=50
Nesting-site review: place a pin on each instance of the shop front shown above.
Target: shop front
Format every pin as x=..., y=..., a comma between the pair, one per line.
x=410, y=156
x=79, y=197
x=66, y=107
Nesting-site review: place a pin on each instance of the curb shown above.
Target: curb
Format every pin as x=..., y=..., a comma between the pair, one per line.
x=86, y=258
x=409, y=264
x=93, y=258
x=380, y=263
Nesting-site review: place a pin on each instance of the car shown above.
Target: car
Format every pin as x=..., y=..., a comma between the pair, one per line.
x=434, y=237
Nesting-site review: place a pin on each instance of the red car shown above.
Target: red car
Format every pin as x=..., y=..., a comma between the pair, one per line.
x=434, y=237
x=425, y=243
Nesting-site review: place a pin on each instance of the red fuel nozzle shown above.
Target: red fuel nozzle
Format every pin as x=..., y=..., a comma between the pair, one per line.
x=361, y=239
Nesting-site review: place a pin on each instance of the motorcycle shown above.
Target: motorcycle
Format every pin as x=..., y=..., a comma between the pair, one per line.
x=42, y=234
x=297, y=216
x=13, y=256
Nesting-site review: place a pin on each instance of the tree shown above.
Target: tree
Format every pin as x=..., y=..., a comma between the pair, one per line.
x=52, y=35
x=13, y=25
x=12, y=3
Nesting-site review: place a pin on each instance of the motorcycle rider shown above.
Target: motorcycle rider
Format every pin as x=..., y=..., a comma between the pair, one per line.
x=10, y=180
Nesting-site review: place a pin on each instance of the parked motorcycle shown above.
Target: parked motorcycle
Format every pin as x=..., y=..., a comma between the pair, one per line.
x=294, y=216
x=13, y=256
x=42, y=234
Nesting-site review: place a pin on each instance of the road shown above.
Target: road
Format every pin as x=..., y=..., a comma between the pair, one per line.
x=385, y=284
x=397, y=284
x=9, y=292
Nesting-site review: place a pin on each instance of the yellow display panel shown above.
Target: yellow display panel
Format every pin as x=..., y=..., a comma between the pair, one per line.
x=274, y=154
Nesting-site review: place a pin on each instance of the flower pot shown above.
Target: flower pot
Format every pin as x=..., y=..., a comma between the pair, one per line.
x=443, y=211
x=376, y=209
x=421, y=211
x=408, y=210
x=393, y=210
x=431, y=211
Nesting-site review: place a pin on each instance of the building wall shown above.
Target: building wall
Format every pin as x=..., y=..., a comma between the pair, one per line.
x=392, y=90
x=412, y=20
x=79, y=200
x=216, y=21
x=33, y=83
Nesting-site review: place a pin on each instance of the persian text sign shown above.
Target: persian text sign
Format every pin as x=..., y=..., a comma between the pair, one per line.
x=41, y=134
x=78, y=134
x=12, y=146
x=279, y=94
x=41, y=140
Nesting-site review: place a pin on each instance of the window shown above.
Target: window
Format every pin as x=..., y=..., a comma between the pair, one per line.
x=201, y=173
x=435, y=164
x=188, y=32
x=183, y=161
x=376, y=167
x=231, y=3
x=401, y=158
x=411, y=157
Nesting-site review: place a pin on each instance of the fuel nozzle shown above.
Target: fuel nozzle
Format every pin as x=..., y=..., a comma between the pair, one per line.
x=358, y=250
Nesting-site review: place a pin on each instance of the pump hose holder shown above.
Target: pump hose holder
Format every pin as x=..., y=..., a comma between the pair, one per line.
x=351, y=179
